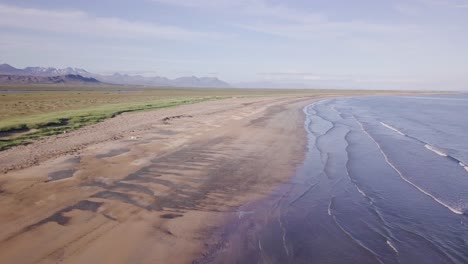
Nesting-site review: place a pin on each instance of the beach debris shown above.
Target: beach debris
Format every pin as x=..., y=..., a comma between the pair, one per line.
x=168, y=118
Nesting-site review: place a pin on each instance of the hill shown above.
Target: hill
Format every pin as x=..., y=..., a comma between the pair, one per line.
x=63, y=79
x=29, y=74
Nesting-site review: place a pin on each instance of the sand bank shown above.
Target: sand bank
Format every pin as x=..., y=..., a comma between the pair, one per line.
x=146, y=187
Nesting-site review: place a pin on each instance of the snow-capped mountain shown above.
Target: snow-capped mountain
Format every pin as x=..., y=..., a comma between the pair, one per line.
x=70, y=79
x=41, y=71
x=116, y=78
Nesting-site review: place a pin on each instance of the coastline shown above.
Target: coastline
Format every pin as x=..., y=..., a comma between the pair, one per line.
x=147, y=190
x=341, y=207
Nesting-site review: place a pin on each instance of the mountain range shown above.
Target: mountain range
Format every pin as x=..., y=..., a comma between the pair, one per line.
x=60, y=79
x=10, y=75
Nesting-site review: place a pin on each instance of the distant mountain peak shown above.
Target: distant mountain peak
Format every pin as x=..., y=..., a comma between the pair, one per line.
x=63, y=79
x=116, y=78
x=6, y=66
x=8, y=69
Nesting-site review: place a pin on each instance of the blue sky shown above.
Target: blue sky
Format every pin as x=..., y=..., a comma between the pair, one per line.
x=408, y=44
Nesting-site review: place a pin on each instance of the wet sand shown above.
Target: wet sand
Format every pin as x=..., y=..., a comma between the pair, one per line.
x=149, y=187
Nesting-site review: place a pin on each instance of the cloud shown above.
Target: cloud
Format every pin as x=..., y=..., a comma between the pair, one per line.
x=328, y=29
x=78, y=22
x=262, y=16
x=248, y=8
x=407, y=9
x=311, y=77
x=446, y=3
x=290, y=75
x=418, y=7
x=297, y=79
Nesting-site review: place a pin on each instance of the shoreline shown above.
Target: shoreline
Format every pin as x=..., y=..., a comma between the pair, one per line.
x=337, y=205
x=176, y=180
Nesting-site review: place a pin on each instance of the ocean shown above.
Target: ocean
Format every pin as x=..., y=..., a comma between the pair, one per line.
x=385, y=180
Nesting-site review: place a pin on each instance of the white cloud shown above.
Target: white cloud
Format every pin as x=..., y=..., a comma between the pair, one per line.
x=446, y=3
x=290, y=75
x=407, y=9
x=265, y=17
x=418, y=7
x=298, y=79
x=253, y=8
x=328, y=28
x=311, y=76
x=78, y=22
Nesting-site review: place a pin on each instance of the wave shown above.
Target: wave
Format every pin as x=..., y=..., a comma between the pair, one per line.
x=242, y=214
x=453, y=210
x=435, y=98
x=428, y=146
x=361, y=192
x=443, y=154
x=436, y=150
x=463, y=165
x=357, y=241
x=309, y=111
x=330, y=206
x=373, y=207
x=390, y=244
x=392, y=128
x=283, y=229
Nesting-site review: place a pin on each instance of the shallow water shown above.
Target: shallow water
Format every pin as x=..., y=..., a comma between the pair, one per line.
x=383, y=182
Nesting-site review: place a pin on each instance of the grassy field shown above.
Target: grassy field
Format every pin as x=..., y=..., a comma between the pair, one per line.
x=27, y=113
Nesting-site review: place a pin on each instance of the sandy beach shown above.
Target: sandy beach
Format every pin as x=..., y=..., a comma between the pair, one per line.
x=147, y=187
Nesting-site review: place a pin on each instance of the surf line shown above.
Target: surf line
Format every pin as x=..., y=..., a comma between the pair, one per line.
x=435, y=150
x=390, y=244
x=464, y=166
x=403, y=177
x=392, y=128
x=427, y=146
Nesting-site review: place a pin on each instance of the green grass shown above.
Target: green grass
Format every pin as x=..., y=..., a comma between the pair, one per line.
x=33, y=126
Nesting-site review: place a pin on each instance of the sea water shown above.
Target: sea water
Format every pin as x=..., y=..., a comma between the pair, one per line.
x=384, y=180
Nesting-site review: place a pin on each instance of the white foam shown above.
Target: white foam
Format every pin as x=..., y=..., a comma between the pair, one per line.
x=284, y=236
x=463, y=165
x=392, y=128
x=357, y=241
x=405, y=179
x=435, y=98
x=390, y=244
x=435, y=150
x=361, y=192
x=357, y=187
x=242, y=214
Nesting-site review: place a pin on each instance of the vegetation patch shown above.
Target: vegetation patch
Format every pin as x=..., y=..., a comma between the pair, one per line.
x=24, y=129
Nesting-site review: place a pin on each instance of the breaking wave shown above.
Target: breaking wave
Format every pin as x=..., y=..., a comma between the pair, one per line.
x=392, y=128
x=436, y=150
x=428, y=146
x=463, y=165
x=390, y=244
x=454, y=210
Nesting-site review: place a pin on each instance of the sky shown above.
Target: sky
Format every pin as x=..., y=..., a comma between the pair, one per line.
x=369, y=44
